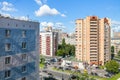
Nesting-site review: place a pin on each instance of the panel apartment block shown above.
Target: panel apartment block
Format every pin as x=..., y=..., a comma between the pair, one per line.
x=19, y=49
x=48, y=43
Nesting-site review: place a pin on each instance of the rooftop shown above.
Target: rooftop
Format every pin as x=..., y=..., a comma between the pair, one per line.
x=15, y=18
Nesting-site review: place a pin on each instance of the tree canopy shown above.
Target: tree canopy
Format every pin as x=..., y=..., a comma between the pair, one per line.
x=112, y=66
x=65, y=49
x=112, y=49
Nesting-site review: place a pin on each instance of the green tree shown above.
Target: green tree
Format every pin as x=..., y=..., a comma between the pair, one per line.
x=112, y=66
x=60, y=52
x=112, y=52
x=118, y=53
x=72, y=52
x=112, y=49
x=63, y=43
x=42, y=59
x=65, y=49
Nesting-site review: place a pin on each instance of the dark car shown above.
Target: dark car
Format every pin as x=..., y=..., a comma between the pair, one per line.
x=50, y=74
x=108, y=75
x=44, y=71
x=73, y=76
x=67, y=68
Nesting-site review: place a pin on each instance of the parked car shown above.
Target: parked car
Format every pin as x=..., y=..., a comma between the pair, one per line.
x=44, y=71
x=50, y=74
x=73, y=76
x=107, y=75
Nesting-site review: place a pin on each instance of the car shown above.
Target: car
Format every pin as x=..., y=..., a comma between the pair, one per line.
x=79, y=71
x=73, y=76
x=95, y=74
x=45, y=71
x=107, y=75
x=60, y=67
x=50, y=74
x=67, y=68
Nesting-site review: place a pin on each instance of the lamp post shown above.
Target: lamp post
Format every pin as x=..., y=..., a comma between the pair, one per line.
x=62, y=77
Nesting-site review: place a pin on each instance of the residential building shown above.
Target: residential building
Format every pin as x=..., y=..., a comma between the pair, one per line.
x=93, y=40
x=19, y=49
x=48, y=42
x=116, y=34
x=69, y=38
x=116, y=43
x=59, y=31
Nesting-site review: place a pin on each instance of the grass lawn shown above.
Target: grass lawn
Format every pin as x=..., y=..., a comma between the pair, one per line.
x=66, y=71
x=41, y=65
x=115, y=77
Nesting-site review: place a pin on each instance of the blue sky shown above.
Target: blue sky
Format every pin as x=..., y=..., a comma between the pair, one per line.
x=61, y=13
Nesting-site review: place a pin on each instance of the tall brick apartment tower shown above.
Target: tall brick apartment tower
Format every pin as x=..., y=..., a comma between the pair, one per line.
x=93, y=40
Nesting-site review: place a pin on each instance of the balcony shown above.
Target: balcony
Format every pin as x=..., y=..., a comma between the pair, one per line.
x=93, y=32
x=93, y=24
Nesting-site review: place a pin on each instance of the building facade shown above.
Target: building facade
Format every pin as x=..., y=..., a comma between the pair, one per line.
x=19, y=49
x=69, y=39
x=93, y=40
x=48, y=43
x=116, y=34
x=116, y=43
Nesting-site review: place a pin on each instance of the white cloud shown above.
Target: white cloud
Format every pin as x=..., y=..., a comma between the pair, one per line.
x=22, y=18
x=57, y=25
x=39, y=2
x=115, y=25
x=63, y=15
x=6, y=6
x=6, y=15
x=115, y=22
x=46, y=10
x=44, y=24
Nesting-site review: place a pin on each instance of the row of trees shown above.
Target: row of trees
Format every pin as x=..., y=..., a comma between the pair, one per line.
x=65, y=49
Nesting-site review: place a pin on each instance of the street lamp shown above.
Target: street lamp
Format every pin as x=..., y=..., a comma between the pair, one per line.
x=62, y=77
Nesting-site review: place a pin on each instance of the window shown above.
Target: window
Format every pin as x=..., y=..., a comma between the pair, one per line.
x=23, y=33
x=7, y=47
x=7, y=33
x=23, y=68
x=7, y=74
x=24, y=78
x=24, y=56
x=7, y=60
x=24, y=45
x=16, y=25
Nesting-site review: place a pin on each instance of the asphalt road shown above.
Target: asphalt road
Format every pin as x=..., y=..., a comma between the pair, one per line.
x=56, y=74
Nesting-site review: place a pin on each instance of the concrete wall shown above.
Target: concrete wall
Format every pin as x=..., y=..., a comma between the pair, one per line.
x=32, y=49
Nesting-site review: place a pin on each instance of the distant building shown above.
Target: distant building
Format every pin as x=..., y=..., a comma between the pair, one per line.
x=116, y=43
x=116, y=34
x=69, y=38
x=19, y=49
x=59, y=31
x=93, y=40
x=48, y=43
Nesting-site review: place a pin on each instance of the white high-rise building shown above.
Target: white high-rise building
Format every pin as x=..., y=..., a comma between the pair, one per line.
x=48, y=43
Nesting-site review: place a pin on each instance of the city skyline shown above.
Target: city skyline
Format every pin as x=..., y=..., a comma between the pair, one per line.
x=61, y=13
